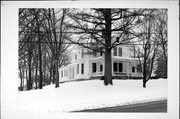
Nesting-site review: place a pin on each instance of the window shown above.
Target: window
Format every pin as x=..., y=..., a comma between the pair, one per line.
x=133, y=69
x=70, y=73
x=65, y=73
x=120, y=52
x=77, y=68
x=82, y=53
x=117, y=67
x=101, y=68
x=61, y=73
x=75, y=57
x=120, y=67
x=82, y=68
x=139, y=68
x=115, y=51
x=93, y=67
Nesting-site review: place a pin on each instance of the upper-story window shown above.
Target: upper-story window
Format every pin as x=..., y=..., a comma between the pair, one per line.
x=120, y=52
x=117, y=51
x=82, y=53
x=75, y=56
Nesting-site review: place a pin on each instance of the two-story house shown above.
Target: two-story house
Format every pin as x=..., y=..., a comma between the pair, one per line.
x=86, y=65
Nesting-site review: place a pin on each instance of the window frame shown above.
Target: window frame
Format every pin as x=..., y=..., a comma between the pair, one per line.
x=115, y=67
x=94, y=66
x=61, y=73
x=82, y=53
x=118, y=69
x=77, y=69
x=82, y=68
x=65, y=73
x=115, y=51
x=101, y=67
x=133, y=69
x=120, y=51
x=139, y=70
x=75, y=56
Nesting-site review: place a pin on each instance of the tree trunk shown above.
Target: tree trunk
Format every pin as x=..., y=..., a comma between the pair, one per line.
x=23, y=81
x=57, y=74
x=144, y=75
x=144, y=83
x=50, y=77
x=47, y=81
x=40, y=66
x=21, y=77
x=108, y=63
x=108, y=68
x=27, y=84
x=54, y=74
x=36, y=76
x=40, y=57
x=30, y=78
x=29, y=71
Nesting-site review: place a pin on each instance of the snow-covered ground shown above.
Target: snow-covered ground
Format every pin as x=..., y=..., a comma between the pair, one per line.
x=73, y=96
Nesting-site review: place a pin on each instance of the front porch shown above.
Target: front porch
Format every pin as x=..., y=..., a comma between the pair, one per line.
x=119, y=67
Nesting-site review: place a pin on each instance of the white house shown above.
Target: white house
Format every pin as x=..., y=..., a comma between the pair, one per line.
x=86, y=65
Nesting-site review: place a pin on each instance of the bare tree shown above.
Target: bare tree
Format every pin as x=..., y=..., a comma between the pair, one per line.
x=162, y=52
x=26, y=30
x=104, y=28
x=56, y=37
x=150, y=45
x=42, y=47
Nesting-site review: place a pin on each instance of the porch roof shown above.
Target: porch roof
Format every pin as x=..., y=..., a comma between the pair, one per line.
x=115, y=58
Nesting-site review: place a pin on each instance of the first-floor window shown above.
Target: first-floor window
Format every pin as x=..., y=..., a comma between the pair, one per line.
x=77, y=68
x=93, y=67
x=65, y=73
x=139, y=68
x=62, y=73
x=117, y=67
x=120, y=67
x=101, y=68
x=133, y=69
x=75, y=57
x=82, y=68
